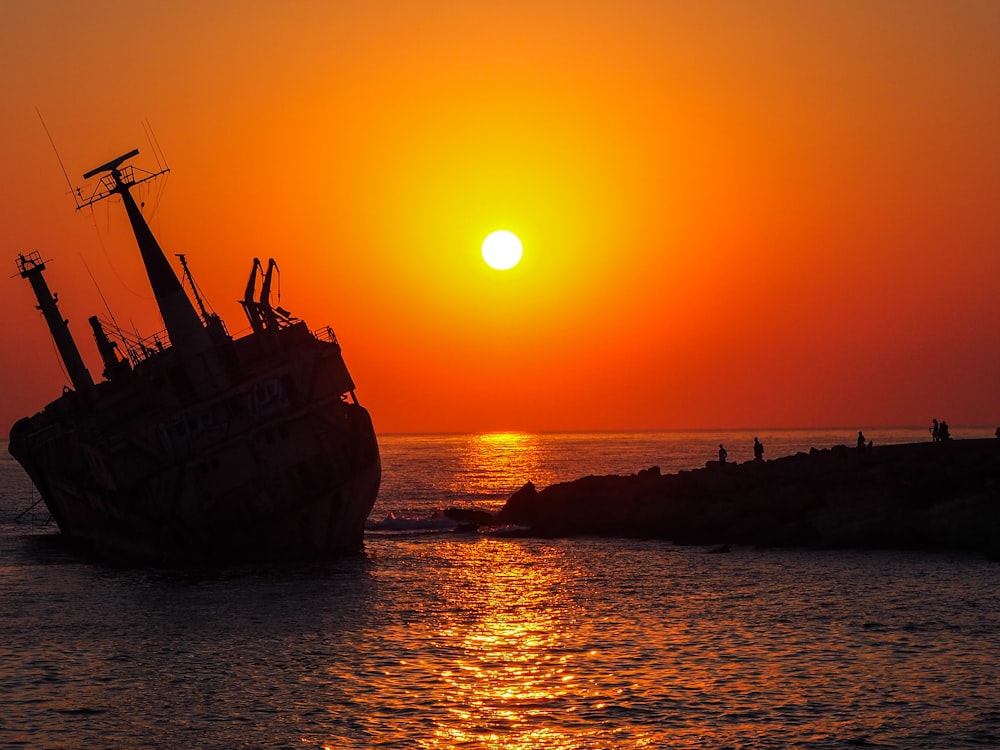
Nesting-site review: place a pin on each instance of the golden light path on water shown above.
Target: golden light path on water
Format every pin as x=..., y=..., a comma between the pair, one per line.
x=492, y=463
x=517, y=665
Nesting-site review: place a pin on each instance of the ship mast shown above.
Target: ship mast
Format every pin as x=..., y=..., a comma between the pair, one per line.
x=31, y=267
x=184, y=327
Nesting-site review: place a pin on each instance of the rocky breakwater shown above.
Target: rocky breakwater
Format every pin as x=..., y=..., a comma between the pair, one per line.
x=913, y=496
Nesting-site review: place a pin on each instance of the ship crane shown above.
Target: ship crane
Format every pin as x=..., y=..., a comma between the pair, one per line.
x=259, y=311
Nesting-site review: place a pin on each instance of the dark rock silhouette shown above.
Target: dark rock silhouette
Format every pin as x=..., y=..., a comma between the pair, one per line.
x=470, y=517
x=942, y=495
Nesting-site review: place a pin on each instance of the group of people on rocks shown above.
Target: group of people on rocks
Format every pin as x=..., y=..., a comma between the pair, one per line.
x=758, y=451
x=758, y=447
x=939, y=433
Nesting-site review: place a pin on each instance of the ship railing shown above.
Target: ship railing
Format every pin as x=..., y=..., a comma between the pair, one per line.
x=108, y=185
x=137, y=348
x=29, y=260
x=325, y=334
x=140, y=349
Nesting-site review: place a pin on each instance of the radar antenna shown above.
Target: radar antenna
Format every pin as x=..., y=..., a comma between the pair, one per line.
x=119, y=178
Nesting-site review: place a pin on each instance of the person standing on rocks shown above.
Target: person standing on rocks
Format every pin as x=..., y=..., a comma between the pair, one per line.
x=722, y=454
x=935, y=431
x=758, y=450
x=861, y=440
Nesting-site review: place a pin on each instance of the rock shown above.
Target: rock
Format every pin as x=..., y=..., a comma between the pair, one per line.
x=470, y=518
x=915, y=496
x=520, y=507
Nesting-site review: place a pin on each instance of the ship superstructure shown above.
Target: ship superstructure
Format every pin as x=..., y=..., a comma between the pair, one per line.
x=197, y=446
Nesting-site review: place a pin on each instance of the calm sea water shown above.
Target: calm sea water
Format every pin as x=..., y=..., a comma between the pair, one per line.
x=439, y=640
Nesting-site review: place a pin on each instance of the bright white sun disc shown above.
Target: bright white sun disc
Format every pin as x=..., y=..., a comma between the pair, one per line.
x=502, y=250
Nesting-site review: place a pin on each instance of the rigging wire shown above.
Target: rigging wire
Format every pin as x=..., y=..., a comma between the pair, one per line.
x=107, y=256
x=97, y=286
x=58, y=158
x=145, y=128
x=59, y=359
x=161, y=166
x=161, y=189
x=30, y=508
x=199, y=292
x=161, y=159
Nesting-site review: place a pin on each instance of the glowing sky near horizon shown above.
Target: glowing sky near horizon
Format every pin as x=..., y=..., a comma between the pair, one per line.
x=739, y=215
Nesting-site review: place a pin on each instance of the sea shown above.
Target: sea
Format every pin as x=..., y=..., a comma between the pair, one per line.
x=436, y=638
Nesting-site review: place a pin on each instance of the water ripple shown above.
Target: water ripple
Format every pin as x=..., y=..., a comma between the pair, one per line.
x=442, y=642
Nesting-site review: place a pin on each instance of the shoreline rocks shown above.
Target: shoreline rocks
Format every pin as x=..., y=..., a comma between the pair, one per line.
x=929, y=496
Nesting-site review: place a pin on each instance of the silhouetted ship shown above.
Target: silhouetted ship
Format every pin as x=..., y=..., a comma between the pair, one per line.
x=197, y=446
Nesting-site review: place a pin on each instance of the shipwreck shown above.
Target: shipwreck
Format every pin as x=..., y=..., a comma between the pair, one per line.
x=197, y=446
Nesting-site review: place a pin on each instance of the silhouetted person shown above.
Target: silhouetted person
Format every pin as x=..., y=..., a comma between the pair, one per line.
x=943, y=433
x=997, y=433
x=722, y=454
x=935, y=431
x=861, y=440
x=758, y=450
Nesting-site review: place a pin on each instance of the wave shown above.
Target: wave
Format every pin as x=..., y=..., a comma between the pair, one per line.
x=398, y=521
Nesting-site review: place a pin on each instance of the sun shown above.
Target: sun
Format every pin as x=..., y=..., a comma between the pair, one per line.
x=502, y=250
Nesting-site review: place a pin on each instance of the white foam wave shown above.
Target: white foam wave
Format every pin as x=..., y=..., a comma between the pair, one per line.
x=399, y=522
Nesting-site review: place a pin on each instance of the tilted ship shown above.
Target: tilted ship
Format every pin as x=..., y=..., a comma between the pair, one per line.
x=198, y=446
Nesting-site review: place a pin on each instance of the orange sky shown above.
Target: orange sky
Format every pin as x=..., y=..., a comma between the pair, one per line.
x=734, y=214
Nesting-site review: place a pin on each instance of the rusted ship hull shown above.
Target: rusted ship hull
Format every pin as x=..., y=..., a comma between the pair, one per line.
x=278, y=467
x=287, y=521
x=279, y=464
x=317, y=527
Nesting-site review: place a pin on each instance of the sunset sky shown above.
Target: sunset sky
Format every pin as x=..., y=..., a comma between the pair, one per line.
x=734, y=214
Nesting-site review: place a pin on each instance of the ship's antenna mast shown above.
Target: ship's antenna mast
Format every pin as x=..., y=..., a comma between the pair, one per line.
x=117, y=180
x=186, y=329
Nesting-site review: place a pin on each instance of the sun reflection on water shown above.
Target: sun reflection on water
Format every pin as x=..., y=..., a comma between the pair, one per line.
x=497, y=463
x=515, y=666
